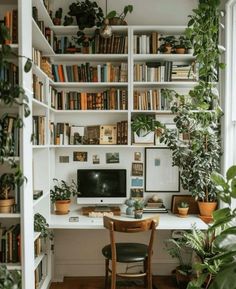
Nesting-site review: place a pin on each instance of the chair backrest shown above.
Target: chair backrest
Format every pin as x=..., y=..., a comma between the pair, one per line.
x=134, y=226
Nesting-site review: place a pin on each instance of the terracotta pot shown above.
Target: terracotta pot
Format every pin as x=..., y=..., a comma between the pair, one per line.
x=117, y=21
x=56, y=21
x=207, y=208
x=183, y=212
x=168, y=49
x=138, y=214
x=62, y=207
x=180, y=50
x=5, y=205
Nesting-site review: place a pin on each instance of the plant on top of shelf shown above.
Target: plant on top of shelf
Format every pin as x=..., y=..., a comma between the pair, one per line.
x=9, y=279
x=61, y=193
x=119, y=19
x=88, y=14
x=58, y=16
x=8, y=183
x=41, y=225
x=182, y=45
x=167, y=44
x=198, y=155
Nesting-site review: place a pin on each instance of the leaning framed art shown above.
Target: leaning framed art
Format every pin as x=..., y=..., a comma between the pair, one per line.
x=160, y=175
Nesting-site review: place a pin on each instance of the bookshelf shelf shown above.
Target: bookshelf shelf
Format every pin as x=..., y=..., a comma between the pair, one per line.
x=37, y=103
x=10, y=215
x=170, y=84
x=87, y=146
x=39, y=146
x=158, y=57
x=165, y=29
x=89, y=84
x=88, y=111
x=14, y=47
x=36, y=235
x=11, y=266
x=40, y=73
x=39, y=41
x=89, y=57
x=151, y=111
x=38, y=201
x=38, y=259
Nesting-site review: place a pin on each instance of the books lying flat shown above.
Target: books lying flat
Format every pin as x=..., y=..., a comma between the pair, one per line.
x=154, y=210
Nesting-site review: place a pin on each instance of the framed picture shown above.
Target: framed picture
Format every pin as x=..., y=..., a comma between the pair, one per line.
x=136, y=182
x=96, y=159
x=137, y=156
x=137, y=169
x=64, y=159
x=80, y=156
x=136, y=193
x=112, y=158
x=160, y=175
x=92, y=135
x=176, y=199
x=108, y=134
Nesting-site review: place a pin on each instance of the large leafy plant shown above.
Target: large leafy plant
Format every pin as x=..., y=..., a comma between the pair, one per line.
x=62, y=190
x=216, y=247
x=9, y=279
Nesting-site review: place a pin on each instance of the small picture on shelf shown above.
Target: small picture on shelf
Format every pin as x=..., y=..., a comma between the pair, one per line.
x=137, y=169
x=64, y=159
x=92, y=135
x=76, y=135
x=136, y=193
x=80, y=156
x=112, y=158
x=137, y=156
x=108, y=134
x=96, y=159
x=137, y=182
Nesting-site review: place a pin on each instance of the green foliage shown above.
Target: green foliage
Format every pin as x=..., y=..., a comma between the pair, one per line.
x=127, y=9
x=169, y=40
x=41, y=225
x=138, y=204
x=9, y=279
x=58, y=13
x=62, y=191
x=143, y=124
x=183, y=205
x=183, y=42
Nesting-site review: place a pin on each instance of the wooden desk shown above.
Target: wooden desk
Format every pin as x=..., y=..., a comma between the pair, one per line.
x=167, y=221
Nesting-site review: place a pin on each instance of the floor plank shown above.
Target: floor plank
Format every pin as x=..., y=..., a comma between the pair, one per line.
x=160, y=282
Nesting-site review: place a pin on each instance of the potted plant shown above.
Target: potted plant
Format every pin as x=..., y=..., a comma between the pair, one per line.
x=119, y=19
x=7, y=184
x=138, y=208
x=183, y=209
x=60, y=195
x=167, y=45
x=144, y=127
x=58, y=16
x=88, y=14
x=178, y=250
x=10, y=279
x=182, y=45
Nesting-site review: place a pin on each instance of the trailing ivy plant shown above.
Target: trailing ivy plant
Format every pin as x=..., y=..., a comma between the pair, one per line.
x=9, y=279
x=41, y=225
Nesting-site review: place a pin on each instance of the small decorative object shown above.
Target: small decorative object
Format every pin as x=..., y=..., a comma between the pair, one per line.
x=68, y=20
x=112, y=158
x=119, y=19
x=154, y=202
x=7, y=184
x=58, y=16
x=137, y=169
x=108, y=134
x=137, y=156
x=136, y=193
x=96, y=159
x=60, y=195
x=80, y=156
x=138, y=208
x=183, y=209
x=130, y=208
x=167, y=45
x=106, y=30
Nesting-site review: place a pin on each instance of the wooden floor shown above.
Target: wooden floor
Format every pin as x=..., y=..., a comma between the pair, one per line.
x=160, y=282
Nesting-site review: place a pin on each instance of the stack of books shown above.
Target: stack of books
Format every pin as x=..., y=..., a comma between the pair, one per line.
x=155, y=208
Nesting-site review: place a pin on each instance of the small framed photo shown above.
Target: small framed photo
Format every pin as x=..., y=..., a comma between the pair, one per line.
x=108, y=134
x=64, y=159
x=96, y=159
x=80, y=156
x=112, y=158
x=136, y=182
x=137, y=156
x=137, y=169
x=136, y=193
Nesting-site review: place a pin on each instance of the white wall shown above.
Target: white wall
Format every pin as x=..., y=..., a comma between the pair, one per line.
x=78, y=253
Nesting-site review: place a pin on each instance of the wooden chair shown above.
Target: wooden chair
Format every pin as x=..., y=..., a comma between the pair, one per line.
x=128, y=252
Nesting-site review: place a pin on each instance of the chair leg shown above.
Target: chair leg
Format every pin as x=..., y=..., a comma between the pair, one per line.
x=106, y=273
x=113, y=275
x=149, y=274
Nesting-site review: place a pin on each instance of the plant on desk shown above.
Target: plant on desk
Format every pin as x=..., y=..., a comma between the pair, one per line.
x=183, y=209
x=138, y=208
x=60, y=195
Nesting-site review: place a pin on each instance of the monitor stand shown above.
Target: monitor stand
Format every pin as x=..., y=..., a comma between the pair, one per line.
x=102, y=209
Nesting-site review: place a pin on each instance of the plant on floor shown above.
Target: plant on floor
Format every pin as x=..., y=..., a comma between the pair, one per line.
x=9, y=279
x=198, y=155
x=119, y=19
x=215, y=246
x=41, y=225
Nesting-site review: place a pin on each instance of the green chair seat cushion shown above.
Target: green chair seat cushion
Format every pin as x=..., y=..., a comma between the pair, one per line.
x=127, y=252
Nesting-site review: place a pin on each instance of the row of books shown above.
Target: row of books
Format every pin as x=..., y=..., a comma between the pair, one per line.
x=37, y=247
x=164, y=71
x=43, y=63
x=10, y=137
x=86, y=73
x=116, y=44
x=111, y=99
x=66, y=134
x=11, y=22
x=38, y=89
x=9, y=73
x=10, y=244
x=39, y=125
x=38, y=275
x=147, y=100
x=146, y=44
